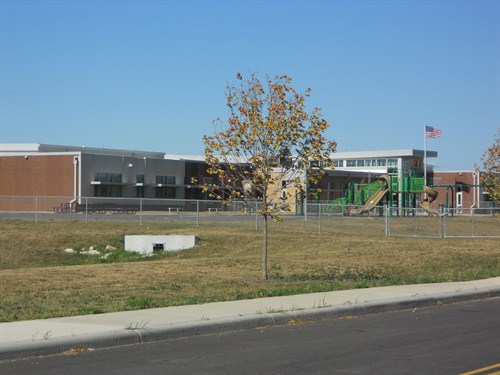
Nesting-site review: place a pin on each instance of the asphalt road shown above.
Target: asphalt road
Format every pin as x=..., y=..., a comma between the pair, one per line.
x=448, y=339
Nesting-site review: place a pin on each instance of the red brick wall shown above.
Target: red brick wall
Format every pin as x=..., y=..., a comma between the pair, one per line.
x=37, y=175
x=453, y=179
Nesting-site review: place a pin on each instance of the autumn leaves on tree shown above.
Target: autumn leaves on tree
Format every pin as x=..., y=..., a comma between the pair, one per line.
x=268, y=150
x=491, y=178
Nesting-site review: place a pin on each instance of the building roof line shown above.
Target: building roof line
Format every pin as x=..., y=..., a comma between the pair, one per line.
x=44, y=148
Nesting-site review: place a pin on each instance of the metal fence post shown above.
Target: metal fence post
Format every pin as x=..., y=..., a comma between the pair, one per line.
x=387, y=230
x=140, y=211
x=319, y=218
x=441, y=221
x=197, y=213
x=415, y=225
x=256, y=216
x=472, y=222
x=36, y=209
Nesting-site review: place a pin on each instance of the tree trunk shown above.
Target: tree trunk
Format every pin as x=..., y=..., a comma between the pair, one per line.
x=264, y=251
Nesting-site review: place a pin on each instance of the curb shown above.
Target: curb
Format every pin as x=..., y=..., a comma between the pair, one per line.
x=138, y=336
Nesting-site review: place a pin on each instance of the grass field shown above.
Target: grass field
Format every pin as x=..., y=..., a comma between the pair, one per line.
x=38, y=279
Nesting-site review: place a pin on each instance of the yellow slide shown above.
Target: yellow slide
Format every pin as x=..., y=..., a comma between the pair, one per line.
x=426, y=203
x=374, y=200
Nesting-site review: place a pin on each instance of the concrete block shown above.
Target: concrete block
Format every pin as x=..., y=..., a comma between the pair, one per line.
x=148, y=244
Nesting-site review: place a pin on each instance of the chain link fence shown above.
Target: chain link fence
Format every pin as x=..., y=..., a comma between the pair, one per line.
x=131, y=209
x=415, y=222
x=471, y=222
x=408, y=222
x=444, y=223
x=316, y=217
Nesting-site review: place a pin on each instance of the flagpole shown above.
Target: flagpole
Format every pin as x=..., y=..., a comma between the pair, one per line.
x=425, y=155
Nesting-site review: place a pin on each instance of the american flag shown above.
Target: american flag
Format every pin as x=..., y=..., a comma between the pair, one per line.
x=431, y=132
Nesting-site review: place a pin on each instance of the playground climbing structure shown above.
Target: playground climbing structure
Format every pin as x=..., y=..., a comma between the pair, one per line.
x=402, y=193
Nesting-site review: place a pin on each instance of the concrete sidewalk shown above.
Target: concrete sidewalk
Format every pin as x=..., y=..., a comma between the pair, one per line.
x=41, y=337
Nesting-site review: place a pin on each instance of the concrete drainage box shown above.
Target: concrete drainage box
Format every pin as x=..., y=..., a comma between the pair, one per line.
x=150, y=244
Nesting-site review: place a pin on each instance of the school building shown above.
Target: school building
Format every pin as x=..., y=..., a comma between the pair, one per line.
x=69, y=173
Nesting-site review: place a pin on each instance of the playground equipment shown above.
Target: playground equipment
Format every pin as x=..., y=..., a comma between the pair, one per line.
x=372, y=201
x=403, y=193
x=431, y=197
x=337, y=206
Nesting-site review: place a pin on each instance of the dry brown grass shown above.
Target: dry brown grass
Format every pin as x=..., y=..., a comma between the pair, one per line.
x=39, y=280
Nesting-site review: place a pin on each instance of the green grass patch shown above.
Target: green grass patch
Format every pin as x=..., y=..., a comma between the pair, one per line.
x=38, y=279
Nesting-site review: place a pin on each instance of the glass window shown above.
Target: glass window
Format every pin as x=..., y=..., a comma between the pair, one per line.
x=392, y=162
x=108, y=177
x=139, y=191
x=165, y=192
x=116, y=177
x=360, y=163
x=392, y=170
x=316, y=163
x=107, y=191
x=140, y=178
x=351, y=163
x=381, y=162
x=209, y=180
x=165, y=180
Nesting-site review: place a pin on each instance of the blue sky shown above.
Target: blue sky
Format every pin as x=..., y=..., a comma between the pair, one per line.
x=151, y=75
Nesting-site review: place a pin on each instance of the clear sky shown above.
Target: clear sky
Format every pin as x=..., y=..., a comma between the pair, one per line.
x=151, y=75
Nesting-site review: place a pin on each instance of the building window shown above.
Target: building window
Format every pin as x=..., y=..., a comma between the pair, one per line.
x=107, y=191
x=392, y=162
x=139, y=191
x=338, y=163
x=360, y=163
x=381, y=162
x=108, y=177
x=164, y=192
x=392, y=170
x=316, y=163
x=109, y=184
x=140, y=179
x=165, y=180
x=351, y=163
x=283, y=190
x=209, y=181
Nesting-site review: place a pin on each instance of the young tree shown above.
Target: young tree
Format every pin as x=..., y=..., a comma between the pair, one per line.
x=269, y=149
x=491, y=178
